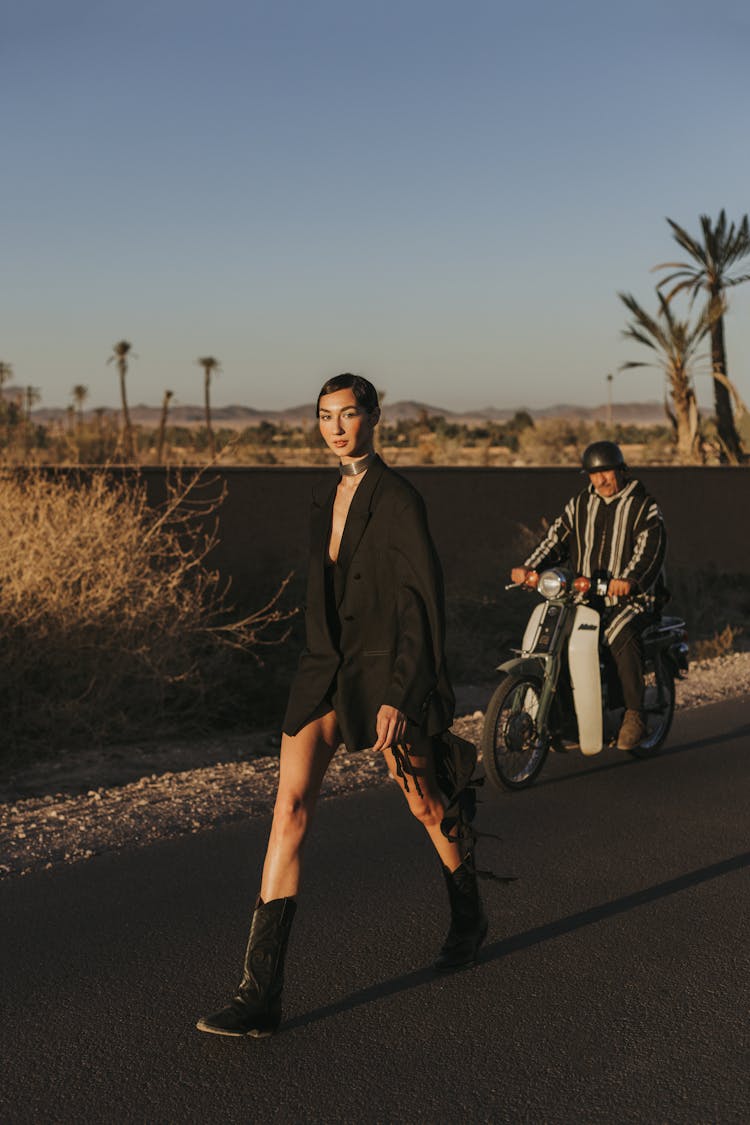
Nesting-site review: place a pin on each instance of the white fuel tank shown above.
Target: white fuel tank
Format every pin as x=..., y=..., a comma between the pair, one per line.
x=583, y=659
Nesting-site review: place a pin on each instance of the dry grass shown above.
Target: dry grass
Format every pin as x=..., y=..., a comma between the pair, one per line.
x=716, y=606
x=484, y=627
x=112, y=623
x=721, y=644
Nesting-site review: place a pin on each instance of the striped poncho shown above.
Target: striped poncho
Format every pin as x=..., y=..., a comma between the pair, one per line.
x=620, y=537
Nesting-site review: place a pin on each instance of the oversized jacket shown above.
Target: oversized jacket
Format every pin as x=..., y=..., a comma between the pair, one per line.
x=621, y=537
x=389, y=601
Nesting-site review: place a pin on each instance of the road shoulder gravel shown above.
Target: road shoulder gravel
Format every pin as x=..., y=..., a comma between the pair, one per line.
x=100, y=801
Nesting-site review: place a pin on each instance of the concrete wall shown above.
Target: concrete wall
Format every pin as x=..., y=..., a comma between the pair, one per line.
x=477, y=518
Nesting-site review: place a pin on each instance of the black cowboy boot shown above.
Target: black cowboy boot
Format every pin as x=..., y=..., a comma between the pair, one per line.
x=468, y=927
x=256, y=1009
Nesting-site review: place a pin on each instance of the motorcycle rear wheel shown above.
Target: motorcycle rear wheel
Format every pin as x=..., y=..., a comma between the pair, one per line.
x=513, y=750
x=658, y=708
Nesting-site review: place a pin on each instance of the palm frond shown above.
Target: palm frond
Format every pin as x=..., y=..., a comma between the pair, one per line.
x=681, y=266
x=740, y=406
x=639, y=337
x=687, y=242
x=693, y=284
x=675, y=341
x=723, y=246
x=729, y=282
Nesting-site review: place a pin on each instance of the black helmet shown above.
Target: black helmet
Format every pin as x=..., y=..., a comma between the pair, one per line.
x=602, y=455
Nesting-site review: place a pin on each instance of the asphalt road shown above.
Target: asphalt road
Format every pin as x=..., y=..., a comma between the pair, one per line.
x=614, y=986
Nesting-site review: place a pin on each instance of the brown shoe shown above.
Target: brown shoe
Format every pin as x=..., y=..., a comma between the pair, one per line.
x=632, y=731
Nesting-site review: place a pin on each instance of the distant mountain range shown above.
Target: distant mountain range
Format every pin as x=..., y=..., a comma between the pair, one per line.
x=237, y=417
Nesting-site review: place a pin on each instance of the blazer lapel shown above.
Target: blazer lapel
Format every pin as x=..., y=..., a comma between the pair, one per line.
x=321, y=522
x=356, y=521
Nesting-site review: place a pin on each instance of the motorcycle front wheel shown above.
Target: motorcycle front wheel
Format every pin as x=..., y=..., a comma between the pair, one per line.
x=513, y=750
x=658, y=708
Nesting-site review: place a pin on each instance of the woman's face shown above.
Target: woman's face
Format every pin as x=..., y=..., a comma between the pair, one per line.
x=346, y=426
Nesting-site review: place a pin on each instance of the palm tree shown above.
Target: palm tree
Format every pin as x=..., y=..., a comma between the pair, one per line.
x=163, y=426
x=609, y=379
x=6, y=374
x=119, y=356
x=676, y=344
x=80, y=393
x=210, y=366
x=31, y=396
x=712, y=269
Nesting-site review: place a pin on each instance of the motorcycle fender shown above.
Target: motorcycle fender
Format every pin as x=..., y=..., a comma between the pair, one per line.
x=583, y=660
x=522, y=666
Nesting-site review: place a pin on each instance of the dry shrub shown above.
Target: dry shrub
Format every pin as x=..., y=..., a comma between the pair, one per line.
x=721, y=644
x=554, y=441
x=527, y=539
x=112, y=623
x=482, y=632
x=485, y=621
x=715, y=603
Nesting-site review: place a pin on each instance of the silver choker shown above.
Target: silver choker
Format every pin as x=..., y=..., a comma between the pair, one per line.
x=354, y=468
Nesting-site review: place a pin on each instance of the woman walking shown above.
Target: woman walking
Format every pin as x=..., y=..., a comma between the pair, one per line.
x=372, y=675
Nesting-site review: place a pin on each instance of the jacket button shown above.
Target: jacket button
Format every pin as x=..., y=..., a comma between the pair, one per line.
x=357, y=576
x=348, y=617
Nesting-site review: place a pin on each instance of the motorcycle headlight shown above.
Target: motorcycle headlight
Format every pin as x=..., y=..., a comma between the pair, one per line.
x=552, y=583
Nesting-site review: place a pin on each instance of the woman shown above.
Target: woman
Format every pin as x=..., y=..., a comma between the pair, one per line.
x=373, y=676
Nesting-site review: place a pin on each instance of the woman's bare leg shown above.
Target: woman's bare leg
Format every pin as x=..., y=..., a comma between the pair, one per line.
x=304, y=759
x=427, y=808
x=256, y=1008
x=468, y=927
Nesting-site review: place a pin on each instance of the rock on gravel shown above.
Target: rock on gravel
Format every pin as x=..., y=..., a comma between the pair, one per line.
x=710, y=681
x=41, y=831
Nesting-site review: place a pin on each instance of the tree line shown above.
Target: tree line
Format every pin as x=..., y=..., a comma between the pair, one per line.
x=675, y=340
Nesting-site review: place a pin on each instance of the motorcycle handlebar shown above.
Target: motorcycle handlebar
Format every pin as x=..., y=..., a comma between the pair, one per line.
x=599, y=588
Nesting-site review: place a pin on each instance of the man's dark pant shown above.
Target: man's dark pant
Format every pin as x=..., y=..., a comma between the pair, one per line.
x=627, y=653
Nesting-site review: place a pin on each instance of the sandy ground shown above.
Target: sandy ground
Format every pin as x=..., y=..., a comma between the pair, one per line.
x=91, y=802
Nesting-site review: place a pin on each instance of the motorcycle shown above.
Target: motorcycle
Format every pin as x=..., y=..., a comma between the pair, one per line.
x=561, y=690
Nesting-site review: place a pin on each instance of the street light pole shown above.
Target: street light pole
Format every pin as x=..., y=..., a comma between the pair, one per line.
x=609, y=403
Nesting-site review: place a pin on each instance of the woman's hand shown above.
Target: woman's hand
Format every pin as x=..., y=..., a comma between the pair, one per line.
x=619, y=588
x=390, y=726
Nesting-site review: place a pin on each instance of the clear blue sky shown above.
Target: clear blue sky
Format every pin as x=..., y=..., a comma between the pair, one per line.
x=444, y=196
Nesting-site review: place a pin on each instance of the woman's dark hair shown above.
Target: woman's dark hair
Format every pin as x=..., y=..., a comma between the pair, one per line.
x=364, y=392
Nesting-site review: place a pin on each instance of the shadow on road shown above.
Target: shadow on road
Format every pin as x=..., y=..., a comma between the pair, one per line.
x=616, y=906
x=499, y=949
x=627, y=760
x=700, y=743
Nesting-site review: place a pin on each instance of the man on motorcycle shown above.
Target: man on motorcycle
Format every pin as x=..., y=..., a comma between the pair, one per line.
x=612, y=530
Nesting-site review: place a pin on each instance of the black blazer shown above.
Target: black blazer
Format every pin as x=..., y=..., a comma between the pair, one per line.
x=389, y=600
